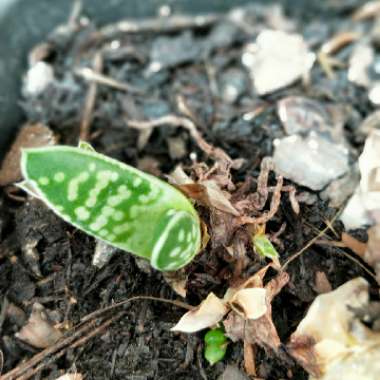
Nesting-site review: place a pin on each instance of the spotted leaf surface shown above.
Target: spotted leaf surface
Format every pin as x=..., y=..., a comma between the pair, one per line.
x=116, y=203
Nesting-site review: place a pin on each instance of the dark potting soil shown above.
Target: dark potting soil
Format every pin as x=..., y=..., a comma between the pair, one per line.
x=44, y=260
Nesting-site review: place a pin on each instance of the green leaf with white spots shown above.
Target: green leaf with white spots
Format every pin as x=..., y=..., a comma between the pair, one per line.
x=116, y=203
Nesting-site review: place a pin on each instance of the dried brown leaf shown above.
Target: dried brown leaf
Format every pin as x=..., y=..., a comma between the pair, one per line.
x=39, y=331
x=30, y=136
x=259, y=331
x=71, y=376
x=355, y=245
x=322, y=284
x=177, y=281
x=250, y=303
x=178, y=177
x=218, y=198
x=209, y=194
x=222, y=228
x=196, y=192
x=326, y=333
x=208, y=313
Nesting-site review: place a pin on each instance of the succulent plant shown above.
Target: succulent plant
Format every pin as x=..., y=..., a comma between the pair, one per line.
x=114, y=202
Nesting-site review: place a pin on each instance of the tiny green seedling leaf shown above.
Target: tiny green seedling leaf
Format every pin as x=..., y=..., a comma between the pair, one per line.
x=215, y=345
x=264, y=247
x=114, y=202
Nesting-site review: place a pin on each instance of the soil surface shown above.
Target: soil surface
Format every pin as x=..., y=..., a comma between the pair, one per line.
x=44, y=260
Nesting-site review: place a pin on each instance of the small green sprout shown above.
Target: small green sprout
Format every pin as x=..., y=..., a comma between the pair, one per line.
x=263, y=246
x=215, y=345
x=114, y=202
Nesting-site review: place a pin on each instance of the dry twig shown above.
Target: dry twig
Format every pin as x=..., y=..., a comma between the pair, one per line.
x=90, y=100
x=310, y=243
x=178, y=121
x=274, y=205
x=93, y=76
x=97, y=313
x=155, y=25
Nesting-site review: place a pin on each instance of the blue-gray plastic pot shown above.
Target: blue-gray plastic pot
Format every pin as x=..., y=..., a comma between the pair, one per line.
x=23, y=23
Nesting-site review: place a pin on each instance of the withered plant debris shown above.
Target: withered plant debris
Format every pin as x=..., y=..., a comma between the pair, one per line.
x=259, y=115
x=29, y=136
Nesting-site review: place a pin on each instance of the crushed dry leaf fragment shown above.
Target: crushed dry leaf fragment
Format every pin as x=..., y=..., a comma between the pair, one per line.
x=71, y=376
x=208, y=313
x=331, y=342
x=250, y=301
x=177, y=280
x=39, y=331
x=261, y=331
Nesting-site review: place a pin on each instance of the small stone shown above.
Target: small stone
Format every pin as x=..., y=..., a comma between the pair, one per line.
x=38, y=78
x=361, y=59
x=177, y=148
x=172, y=51
x=312, y=161
x=222, y=35
x=302, y=115
x=307, y=198
x=339, y=190
x=276, y=60
x=363, y=207
x=374, y=94
x=316, y=33
x=370, y=123
x=232, y=373
x=233, y=85
x=103, y=254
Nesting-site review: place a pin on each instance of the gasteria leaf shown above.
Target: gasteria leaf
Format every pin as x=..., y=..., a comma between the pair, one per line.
x=115, y=203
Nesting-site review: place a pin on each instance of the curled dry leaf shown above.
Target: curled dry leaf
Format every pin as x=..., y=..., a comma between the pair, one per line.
x=250, y=303
x=179, y=177
x=206, y=192
x=209, y=194
x=208, y=313
x=259, y=331
x=218, y=198
x=247, y=301
x=39, y=331
x=331, y=342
